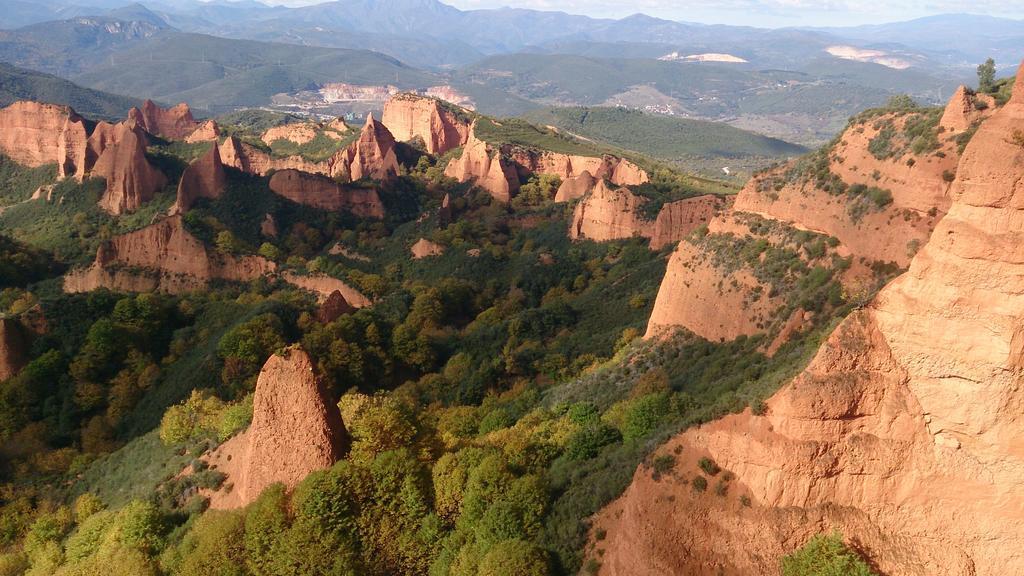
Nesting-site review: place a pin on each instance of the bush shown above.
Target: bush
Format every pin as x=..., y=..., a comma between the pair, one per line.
x=587, y=442
x=825, y=555
x=700, y=483
x=514, y=558
x=708, y=466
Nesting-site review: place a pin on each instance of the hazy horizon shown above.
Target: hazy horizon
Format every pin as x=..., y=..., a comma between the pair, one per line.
x=758, y=13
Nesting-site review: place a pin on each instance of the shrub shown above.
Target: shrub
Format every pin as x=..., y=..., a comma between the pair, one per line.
x=644, y=415
x=587, y=442
x=700, y=483
x=708, y=466
x=514, y=558
x=825, y=555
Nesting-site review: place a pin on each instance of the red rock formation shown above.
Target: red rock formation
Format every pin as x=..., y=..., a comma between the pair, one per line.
x=298, y=133
x=175, y=123
x=676, y=220
x=965, y=108
x=296, y=430
x=323, y=286
x=333, y=308
x=619, y=171
x=575, y=187
x=480, y=163
x=13, y=348
x=902, y=433
x=36, y=134
x=162, y=257
x=424, y=248
x=322, y=192
x=371, y=156
x=607, y=214
x=203, y=178
x=249, y=159
x=131, y=180
x=208, y=131
x=920, y=190
x=409, y=116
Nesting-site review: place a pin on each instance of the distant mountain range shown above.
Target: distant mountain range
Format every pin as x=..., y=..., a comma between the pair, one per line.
x=791, y=83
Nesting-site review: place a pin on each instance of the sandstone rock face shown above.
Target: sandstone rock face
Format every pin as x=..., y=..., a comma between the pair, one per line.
x=162, y=257
x=965, y=108
x=296, y=430
x=268, y=227
x=299, y=133
x=444, y=213
x=204, y=178
x=424, y=248
x=371, y=156
x=608, y=214
x=409, y=116
x=322, y=192
x=575, y=187
x=919, y=186
x=619, y=171
x=247, y=158
x=35, y=134
x=13, y=348
x=484, y=165
x=676, y=220
x=131, y=180
x=208, y=131
x=323, y=286
x=902, y=433
x=175, y=123
x=333, y=308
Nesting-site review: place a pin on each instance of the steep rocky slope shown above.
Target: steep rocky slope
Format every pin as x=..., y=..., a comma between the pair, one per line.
x=372, y=155
x=608, y=214
x=247, y=158
x=162, y=257
x=482, y=163
x=131, y=179
x=36, y=134
x=174, y=123
x=901, y=433
x=441, y=126
x=322, y=192
x=204, y=178
x=875, y=194
x=296, y=429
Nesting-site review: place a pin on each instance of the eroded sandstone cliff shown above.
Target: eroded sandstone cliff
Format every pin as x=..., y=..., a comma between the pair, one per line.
x=162, y=257
x=902, y=433
x=372, y=155
x=296, y=429
x=322, y=192
x=204, y=178
x=174, y=123
x=441, y=126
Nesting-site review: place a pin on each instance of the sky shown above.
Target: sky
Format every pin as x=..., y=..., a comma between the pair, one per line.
x=762, y=13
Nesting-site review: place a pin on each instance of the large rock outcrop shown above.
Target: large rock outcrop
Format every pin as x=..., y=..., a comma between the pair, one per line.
x=162, y=257
x=439, y=125
x=608, y=214
x=880, y=210
x=619, y=171
x=174, y=123
x=965, y=108
x=481, y=163
x=251, y=160
x=677, y=220
x=13, y=348
x=35, y=134
x=208, y=131
x=296, y=430
x=131, y=180
x=902, y=433
x=372, y=155
x=204, y=178
x=323, y=286
x=327, y=194
x=575, y=187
